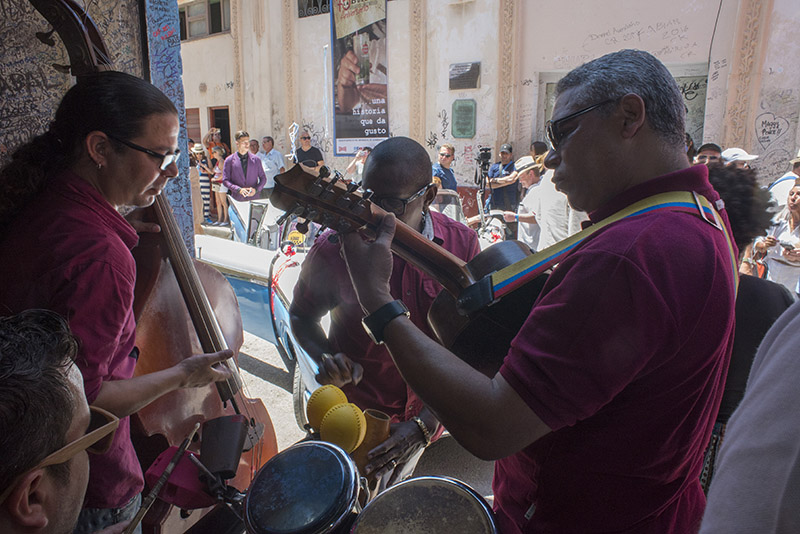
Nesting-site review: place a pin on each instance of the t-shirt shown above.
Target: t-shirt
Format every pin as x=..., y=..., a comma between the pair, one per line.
x=324, y=285
x=312, y=154
x=528, y=233
x=756, y=486
x=507, y=196
x=623, y=356
x=69, y=251
x=447, y=177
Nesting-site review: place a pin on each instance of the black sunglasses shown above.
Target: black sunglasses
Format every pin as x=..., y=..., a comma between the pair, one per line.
x=446, y=155
x=398, y=205
x=304, y=137
x=166, y=159
x=553, y=128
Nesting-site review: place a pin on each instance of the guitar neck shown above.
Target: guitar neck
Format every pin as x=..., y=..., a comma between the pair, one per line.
x=440, y=264
x=332, y=204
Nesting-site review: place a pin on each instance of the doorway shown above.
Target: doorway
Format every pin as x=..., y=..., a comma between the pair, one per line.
x=220, y=118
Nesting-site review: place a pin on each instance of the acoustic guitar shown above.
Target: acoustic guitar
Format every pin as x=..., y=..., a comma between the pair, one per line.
x=465, y=316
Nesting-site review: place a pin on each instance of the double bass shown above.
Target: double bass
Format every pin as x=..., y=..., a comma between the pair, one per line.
x=182, y=307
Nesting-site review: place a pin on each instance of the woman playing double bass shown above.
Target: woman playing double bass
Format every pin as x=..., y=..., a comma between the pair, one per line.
x=65, y=246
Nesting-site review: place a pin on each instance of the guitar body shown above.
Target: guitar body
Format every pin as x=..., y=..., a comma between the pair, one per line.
x=482, y=338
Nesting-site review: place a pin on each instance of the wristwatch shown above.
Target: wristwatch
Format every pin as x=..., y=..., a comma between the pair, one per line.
x=376, y=322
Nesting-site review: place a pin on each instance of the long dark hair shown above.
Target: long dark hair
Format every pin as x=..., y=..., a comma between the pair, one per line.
x=113, y=102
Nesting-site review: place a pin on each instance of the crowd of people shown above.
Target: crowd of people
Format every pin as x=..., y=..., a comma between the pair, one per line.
x=606, y=412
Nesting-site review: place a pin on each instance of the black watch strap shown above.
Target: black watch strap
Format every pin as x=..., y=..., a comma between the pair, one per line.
x=376, y=322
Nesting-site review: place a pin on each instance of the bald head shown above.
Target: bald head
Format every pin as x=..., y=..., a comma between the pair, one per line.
x=399, y=161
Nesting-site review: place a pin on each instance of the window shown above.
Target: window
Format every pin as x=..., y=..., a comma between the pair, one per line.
x=204, y=18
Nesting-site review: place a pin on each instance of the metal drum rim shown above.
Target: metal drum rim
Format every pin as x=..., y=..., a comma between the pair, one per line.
x=488, y=514
x=342, y=512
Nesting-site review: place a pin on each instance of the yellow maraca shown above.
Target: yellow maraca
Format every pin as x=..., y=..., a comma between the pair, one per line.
x=322, y=400
x=344, y=425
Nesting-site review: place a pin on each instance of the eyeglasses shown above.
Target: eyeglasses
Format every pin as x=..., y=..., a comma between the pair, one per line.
x=166, y=159
x=445, y=155
x=398, y=205
x=305, y=137
x=97, y=440
x=553, y=128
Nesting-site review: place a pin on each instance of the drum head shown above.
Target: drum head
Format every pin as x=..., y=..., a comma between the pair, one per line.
x=426, y=505
x=303, y=490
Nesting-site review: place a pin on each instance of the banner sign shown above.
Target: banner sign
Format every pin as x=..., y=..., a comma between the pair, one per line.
x=358, y=33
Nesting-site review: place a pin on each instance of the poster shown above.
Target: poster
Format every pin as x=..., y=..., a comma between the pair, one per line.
x=358, y=33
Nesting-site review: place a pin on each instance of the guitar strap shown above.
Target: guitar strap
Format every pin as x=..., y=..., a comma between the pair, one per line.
x=510, y=278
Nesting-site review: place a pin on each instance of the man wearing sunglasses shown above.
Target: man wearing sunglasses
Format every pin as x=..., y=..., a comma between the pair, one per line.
x=442, y=170
x=46, y=426
x=600, y=414
x=398, y=171
x=308, y=155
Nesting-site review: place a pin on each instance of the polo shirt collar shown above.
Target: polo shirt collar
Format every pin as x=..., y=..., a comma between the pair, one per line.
x=694, y=178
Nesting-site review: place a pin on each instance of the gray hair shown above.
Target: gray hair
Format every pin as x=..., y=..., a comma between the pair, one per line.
x=632, y=71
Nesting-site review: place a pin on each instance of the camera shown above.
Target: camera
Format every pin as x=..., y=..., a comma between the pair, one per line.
x=485, y=156
x=483, y=162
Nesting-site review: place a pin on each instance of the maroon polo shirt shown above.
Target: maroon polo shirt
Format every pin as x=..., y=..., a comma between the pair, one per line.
x=69, y=251
x=324, y=285
x=624, y=357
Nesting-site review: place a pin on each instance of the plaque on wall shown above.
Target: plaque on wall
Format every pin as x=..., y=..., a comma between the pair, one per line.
x=464, y=111
x=465, y=76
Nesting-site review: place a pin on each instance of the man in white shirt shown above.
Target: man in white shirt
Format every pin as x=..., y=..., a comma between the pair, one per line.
x=528, y=229
x=272, y=162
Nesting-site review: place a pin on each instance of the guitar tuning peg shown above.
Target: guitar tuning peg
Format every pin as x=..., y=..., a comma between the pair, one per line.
x=319, y=232
x=324, y=171
x=367, y=194
x=353, y=186
x=297, y=209
x=327, y=219
x=283, y=218
x=302, y=227
x=311, y=214
x=344, y=226
x=327, y=191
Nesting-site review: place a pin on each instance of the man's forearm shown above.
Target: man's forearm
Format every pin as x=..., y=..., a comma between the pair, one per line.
x=125, y=397
x=310, y=335
x=478, y=411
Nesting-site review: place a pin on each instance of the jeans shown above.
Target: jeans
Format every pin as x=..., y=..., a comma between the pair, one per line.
x=94, y=519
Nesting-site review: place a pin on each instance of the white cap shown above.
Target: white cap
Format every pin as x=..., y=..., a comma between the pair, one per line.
x=737, y=154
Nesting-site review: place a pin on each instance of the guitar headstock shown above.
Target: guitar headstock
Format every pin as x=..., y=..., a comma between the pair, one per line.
x=327, y=200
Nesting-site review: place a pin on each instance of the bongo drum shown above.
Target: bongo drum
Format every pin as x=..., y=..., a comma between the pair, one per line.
x=427, y=505
x=310, y=488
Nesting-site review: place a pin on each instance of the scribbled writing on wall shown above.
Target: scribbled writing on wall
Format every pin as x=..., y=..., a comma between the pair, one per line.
x=467, y=158
x=431, y=140
x=166, y=71
x=769, y=128
x=662, y=38
x=30, y=86
x=319, y=138
x=693, y=89
x=445, y=121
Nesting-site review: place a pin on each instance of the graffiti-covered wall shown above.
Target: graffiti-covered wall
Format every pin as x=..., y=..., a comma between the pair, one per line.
x=32, y=80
